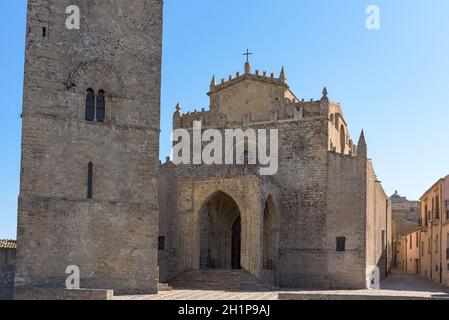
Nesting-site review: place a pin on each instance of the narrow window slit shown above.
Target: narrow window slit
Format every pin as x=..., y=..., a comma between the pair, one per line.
x=90, y=173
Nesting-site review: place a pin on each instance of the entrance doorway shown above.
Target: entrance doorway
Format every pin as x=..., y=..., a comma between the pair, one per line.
x=220, y=233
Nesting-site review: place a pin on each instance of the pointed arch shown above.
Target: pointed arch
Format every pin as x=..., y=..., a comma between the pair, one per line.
x=220, y=232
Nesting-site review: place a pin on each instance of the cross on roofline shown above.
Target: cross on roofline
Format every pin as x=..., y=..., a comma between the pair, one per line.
x=247, y=54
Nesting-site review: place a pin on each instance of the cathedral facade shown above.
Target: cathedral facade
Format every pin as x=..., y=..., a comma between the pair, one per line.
x=93, y=195
x=321, y=221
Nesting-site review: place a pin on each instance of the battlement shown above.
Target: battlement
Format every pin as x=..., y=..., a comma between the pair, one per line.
x=249, y=100
x=257, y=76
x=287, y=110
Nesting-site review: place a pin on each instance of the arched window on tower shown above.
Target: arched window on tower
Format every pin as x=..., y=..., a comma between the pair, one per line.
x=90, y=105
x=90, y=180
x=101, y=108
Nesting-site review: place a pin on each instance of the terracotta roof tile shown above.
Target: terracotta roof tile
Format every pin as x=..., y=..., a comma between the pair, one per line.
x=8, y=244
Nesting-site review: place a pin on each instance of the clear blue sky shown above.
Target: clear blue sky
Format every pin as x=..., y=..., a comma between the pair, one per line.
x=392, y=82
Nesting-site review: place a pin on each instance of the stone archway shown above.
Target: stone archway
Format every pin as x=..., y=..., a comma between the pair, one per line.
x=220, y=233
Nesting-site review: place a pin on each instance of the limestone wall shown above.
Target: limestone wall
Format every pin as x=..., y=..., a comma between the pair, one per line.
x=302, y=188
x=378, y=225
x=112, y=238
x=401, y=254
x=320, y=195
x=168, y=223
x=339, y=137
x=413, y=244
x=254, y=96
x=346, y=218
x=432, y=215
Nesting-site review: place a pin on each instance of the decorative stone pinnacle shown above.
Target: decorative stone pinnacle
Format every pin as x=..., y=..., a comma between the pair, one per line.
x=212, y=83
x=325, y=94
x=247, y=68
x=178, y=108
x=362, y=140
x=282, y=75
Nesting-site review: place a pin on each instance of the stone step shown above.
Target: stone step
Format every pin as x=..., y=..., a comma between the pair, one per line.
x=164, y=287
x=218, y=279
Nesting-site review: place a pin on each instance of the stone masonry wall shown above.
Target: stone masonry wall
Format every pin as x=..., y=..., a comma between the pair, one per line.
x=379, y=225
x=346, y=218
x=319, y=195
x=7, y=268
x=302, y=184
x=317, y=199
x=168, y=222
x=112, y=238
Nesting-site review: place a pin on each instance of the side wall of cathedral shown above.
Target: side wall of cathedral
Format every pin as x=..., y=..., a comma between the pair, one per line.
x=379, y=246
x=302, y=183
x=346, y=219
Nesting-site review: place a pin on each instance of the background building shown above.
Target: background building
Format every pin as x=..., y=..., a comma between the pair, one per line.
x=434, y=232
x=432, y=237
x=405, y=216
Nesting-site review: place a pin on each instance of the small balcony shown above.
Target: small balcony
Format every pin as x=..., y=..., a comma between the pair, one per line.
x=423, y=223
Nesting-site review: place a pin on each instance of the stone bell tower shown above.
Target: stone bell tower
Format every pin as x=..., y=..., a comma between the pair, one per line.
x=90, y=146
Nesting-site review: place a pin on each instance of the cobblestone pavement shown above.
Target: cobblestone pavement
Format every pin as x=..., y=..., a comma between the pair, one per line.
x=398, y=285
x=400, y=281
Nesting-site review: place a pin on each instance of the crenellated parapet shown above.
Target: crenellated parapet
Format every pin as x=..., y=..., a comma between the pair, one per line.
x=208, y=118
x=288, y=110
x=247, y=75
x=251, y=99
